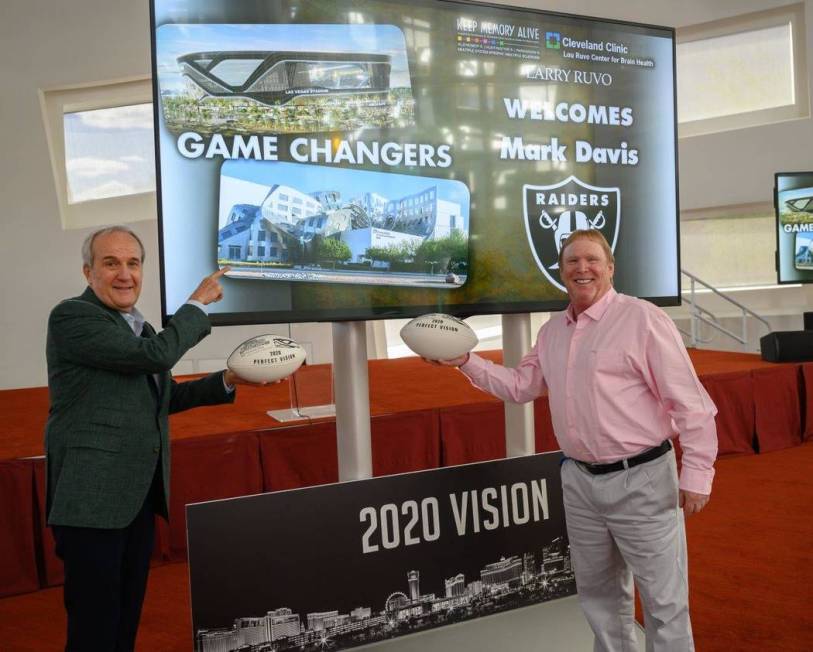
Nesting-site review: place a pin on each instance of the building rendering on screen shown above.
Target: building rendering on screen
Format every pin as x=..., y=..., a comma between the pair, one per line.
x=288, y=220
x=275, y=78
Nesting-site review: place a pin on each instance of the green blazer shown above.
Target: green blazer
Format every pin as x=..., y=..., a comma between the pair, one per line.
x=108, y=421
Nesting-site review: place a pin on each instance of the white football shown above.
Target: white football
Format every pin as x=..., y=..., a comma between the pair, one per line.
x=438, y=337
x=266, y=358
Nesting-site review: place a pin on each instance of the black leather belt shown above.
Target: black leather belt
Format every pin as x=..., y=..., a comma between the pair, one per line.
x=620, y=465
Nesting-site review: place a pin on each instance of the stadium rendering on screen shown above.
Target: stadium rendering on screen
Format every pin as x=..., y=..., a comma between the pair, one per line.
x=793, y=200
x=352, y=159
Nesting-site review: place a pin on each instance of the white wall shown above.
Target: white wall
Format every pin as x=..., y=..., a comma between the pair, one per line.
x=43, y=45
x=46, y=44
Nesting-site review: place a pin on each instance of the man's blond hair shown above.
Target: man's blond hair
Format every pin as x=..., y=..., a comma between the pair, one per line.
x=587, y=234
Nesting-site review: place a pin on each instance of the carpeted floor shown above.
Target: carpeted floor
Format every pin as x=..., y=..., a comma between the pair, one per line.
x=751, y=555
x=751, y=571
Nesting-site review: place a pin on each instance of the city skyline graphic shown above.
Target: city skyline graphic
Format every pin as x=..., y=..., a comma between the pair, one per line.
x=511, y=582
x=339, y=565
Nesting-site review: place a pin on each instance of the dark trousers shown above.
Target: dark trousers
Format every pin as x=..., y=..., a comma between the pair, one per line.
x=105, y=581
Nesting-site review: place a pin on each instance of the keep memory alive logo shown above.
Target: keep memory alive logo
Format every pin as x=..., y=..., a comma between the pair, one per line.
x=553, y=212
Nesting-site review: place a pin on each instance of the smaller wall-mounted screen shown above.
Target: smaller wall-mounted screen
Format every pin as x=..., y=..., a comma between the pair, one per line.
x=793, y=198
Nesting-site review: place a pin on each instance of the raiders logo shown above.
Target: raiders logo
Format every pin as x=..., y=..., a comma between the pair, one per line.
x=285, y=343
x=553, y=212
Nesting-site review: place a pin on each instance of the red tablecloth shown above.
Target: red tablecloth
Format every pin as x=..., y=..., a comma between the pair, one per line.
x=423, y=417
x=733, y=394
x=18, y=548
x=778, y=407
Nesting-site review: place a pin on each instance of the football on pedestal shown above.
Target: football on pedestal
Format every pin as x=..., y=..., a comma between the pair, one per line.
x=266, y=358
x=438, y=337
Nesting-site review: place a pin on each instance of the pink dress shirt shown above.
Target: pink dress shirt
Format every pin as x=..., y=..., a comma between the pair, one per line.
x=619, y=381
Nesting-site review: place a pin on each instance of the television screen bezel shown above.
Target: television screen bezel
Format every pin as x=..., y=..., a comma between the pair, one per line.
x=406, y=312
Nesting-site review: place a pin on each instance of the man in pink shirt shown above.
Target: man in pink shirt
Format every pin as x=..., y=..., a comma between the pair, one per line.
x=620, y=385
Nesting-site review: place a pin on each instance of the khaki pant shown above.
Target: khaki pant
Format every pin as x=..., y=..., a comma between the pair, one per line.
x=623, y=525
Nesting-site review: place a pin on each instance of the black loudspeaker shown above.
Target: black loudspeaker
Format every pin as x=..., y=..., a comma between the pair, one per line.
x=808, y=317
x=787, y=346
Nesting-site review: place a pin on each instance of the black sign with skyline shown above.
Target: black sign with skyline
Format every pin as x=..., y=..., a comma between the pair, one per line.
x=355, y=562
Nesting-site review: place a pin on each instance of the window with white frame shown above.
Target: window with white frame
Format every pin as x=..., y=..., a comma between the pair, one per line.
x=742, y=71
x=101, y=144
x=109, y=152
x=728, y=249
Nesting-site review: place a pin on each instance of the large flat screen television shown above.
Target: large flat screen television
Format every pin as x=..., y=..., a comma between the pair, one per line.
x=363, y=159
x=793, y=201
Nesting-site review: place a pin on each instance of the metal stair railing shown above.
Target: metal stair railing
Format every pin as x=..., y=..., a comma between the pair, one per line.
x=700, y=314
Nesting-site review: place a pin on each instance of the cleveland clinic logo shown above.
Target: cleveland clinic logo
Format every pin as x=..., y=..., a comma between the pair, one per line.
x=552, y=213
x=553, y=40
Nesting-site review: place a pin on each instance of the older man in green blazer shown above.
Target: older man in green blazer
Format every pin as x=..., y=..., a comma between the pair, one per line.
x=106, y=440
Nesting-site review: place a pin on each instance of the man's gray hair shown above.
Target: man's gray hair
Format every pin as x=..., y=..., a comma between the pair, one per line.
x=87, y=245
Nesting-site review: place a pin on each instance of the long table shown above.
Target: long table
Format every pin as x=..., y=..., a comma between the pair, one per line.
x=422, y=417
